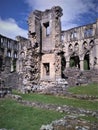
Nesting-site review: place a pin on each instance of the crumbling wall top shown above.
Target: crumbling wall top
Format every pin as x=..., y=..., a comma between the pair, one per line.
x=20, y=38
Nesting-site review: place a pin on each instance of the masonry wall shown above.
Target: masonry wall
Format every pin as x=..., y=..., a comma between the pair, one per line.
x=48, y=51
x=8, y=62
x=80, y=42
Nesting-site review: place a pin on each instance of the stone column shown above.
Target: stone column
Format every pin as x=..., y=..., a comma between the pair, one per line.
x=81, y=64
x=58, y=66
x=67, y=64
x=96, y=53
x=12, y=69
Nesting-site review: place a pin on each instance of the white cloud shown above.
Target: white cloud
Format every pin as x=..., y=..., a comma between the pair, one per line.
x=10, y=28
x=72, y=9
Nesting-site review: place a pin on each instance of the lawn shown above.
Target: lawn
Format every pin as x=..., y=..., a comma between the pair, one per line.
x=58, y=100
x=18, y=117
x=91, y=89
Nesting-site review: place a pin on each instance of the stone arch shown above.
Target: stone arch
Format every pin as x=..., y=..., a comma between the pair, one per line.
x=22, y=55
x=76, y=47
x=70, y=49
x=75, y=61
x=85, y=45
x=91, y=43
x=15, y=55
x=86, y=61
x=9, y=53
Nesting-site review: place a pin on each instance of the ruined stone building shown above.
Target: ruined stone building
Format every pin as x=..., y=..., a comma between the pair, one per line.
x=43, y=59
x=8, y=59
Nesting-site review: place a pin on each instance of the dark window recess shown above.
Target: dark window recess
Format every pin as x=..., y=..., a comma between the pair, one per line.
x=1, y=62
x=15, y=54
x=14, y=65
x=47, y=27
x=46, y=68
x=9, y=53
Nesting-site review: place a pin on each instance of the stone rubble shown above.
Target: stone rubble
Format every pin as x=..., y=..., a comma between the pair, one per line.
x=70, y=123
x=59, y=108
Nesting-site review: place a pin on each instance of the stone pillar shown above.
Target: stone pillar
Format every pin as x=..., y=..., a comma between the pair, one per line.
x=58, y=66
x=92, y=59
x=12, y=65
x=97, y=28
x=96, y=54
x=67, y=64
x=81, y=64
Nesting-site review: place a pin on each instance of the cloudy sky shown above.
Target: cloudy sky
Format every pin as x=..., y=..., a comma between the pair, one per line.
x=14, y=14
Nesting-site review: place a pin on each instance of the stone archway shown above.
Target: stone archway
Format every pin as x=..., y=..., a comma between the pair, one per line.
x=75, y=61
x=86, y=62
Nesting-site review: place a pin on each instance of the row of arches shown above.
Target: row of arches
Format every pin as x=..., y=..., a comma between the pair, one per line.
x=85, y=46
x=75, y=62
x=10, y=55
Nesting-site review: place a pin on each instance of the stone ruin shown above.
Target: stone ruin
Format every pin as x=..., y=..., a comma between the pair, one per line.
x=51, y=59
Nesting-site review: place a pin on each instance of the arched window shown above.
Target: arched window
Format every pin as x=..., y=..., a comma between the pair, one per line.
x=70, y=47
x=85, y=45
x=22, y=55
x=91, y=44
x=15, y=54
x=76, y=47
x=9, y=53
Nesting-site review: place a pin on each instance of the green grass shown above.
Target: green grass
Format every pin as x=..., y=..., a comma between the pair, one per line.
x=19, y=117
x=91, y=89
x=50, y=99
x=89, y=118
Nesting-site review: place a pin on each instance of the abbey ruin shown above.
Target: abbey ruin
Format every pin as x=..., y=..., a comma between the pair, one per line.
x=50, y=56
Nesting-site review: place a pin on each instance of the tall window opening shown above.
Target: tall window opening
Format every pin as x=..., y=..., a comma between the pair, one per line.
x=1, y=62
x=9, y=53
x=47, y=28
x=86, y=62
x=14, y=64
x=46, y=69
x=15, y=55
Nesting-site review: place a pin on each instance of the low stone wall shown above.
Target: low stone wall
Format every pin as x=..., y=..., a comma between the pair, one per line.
x=4, y=91
x=70, y=123
x=59, y=108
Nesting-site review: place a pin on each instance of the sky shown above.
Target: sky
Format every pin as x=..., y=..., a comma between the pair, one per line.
x=14, y=14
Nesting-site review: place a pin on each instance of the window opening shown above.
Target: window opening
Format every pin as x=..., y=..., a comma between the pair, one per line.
x=9, y=53
x=46, y=68
x=47, y=27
